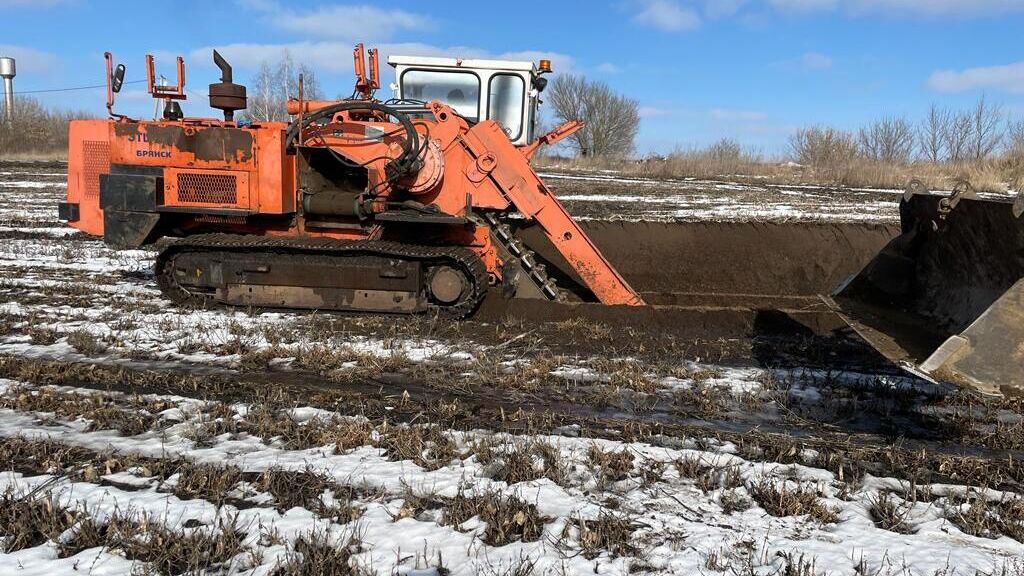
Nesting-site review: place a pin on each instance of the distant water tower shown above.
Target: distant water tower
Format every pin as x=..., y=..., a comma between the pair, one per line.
x=7, y=72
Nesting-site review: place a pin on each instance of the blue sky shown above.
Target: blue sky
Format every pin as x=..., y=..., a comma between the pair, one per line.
x=753, y=70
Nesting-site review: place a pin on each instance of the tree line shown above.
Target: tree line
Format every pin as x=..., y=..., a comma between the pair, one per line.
x=36, y=128
x=944, y=135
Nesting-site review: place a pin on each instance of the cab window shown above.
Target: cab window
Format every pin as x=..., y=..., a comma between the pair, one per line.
x=460, y=90
x=505, y=103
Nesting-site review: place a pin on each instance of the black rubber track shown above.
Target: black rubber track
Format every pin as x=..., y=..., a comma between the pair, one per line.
x=458, y=257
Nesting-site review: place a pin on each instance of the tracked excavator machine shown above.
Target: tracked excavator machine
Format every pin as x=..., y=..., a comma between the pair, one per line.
x=426, y=202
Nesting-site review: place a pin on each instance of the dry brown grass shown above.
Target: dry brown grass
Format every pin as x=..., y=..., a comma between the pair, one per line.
x=86, y=343
x=981, y=517
x=530, y=460
x=508, y=519
x=779, y=499
x=427, y=446
x=610, y=465
x=608, y=532
x=306, y=489
x=985, y=176
x=30, y=519
x=34, y=457
x=890, y=513
x=171, y=552
x=41, y=335
x=210, y=482
x=315, y=554
x=102, y=412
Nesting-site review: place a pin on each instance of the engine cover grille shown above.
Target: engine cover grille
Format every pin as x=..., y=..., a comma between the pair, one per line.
x=202, y=188
x=95, y=161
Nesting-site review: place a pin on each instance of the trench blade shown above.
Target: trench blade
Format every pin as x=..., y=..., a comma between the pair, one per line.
x=944, y=298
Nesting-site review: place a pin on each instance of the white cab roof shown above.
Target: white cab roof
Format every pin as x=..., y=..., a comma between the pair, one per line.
x=462, y=63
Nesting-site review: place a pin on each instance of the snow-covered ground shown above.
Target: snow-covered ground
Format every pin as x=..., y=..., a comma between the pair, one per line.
x=489, y=498
x=715, y=522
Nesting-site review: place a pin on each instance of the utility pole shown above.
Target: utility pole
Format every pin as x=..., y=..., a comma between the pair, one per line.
x=7, y=72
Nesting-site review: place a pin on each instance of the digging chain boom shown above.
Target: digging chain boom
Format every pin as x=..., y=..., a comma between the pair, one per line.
x=526, y=258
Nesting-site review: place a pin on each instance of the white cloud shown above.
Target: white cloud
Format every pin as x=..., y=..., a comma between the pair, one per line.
x=914, y=7
x=722, y=8
x=804, y=5
x=33, y=3
x=1009, y=78
x=608, y=68
x=728, y=115
x=806, y=62
x=29, y=59
x=340, y=21
x=667, y=15
x=653, y=112
x=336, y=56
x=815, y=61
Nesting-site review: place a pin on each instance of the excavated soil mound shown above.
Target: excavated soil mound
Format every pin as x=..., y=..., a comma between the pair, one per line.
x=732, y=258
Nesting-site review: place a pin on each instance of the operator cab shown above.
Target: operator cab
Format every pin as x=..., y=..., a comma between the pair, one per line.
x=505, y=91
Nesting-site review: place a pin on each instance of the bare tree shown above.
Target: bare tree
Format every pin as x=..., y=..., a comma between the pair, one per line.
x=1015, y=138
x=987, y=129
x=823, y=147
x=725, y=150
x=890, y=139
x=930, y=134
x=957, y=137
x=611, y=120
x=262, y=103
x=36, y=128
x=274, y=84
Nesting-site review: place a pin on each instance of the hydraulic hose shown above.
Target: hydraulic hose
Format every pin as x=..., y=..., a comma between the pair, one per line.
x=406, y=161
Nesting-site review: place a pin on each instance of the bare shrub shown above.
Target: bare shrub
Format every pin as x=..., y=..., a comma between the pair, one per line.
x=987, y=128
x=611, y=120
x=274, y=83
x=931, y=134
x=725, y=150
x=957, y=137
x=889, y=139
x=1015, y=140
x=823, y=147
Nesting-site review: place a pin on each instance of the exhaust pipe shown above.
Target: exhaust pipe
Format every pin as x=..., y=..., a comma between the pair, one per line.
x=226, y=95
